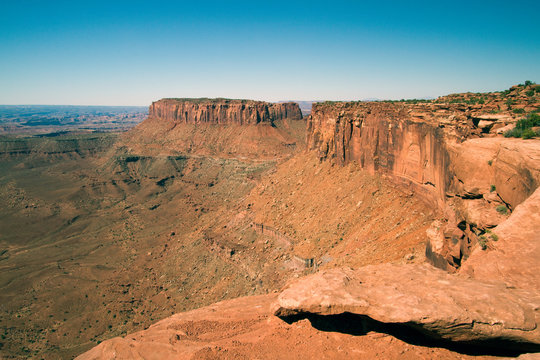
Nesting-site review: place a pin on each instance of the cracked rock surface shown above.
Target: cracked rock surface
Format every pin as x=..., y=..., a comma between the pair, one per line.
x=437, y=303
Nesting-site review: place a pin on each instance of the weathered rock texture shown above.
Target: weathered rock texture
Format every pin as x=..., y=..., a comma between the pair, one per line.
x=515, y=257
x=449, y=152
x=218, y=127
x=441, y=151
x=381, y=137
x=222, y=111
x=245, y=328
x=439, y=304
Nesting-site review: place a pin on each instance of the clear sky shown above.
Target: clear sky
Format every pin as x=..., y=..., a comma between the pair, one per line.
x=135, y=52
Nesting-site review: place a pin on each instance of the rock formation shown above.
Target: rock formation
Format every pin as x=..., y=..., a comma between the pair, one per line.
x=422, y=297
x=442, y=150
x=515, y=257
x=486, y=189
x=222, y=111
x=218, y=127
x=245, y=328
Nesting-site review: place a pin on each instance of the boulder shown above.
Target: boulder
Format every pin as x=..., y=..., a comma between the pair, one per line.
x=515, y=257
x=441, y=305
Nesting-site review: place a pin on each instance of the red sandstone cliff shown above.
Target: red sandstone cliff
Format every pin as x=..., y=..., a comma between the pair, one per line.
x=449, y=152
x=218, y=127
x=222, y=111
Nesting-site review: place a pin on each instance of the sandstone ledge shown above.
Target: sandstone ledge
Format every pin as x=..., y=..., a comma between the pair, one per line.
x=441, y=305
x=245, y=328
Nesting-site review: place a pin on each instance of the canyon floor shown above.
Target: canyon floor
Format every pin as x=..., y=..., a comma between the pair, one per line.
x=186, y=241
x=101, y=243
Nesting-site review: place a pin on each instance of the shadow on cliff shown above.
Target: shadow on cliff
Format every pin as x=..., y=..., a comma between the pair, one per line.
x=359, y=325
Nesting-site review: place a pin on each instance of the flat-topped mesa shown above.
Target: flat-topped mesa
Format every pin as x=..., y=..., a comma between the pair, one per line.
x=449, y=151
x=218, y=127
x=223, y=111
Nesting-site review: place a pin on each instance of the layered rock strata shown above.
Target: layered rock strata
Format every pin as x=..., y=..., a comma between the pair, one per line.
x=222, y=111
x=245, y=328
x=515, y=257
x=441, y=151
x=422, y=297
x=218, y=127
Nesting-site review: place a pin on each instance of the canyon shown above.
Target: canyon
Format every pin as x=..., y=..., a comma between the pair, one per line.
x=442, y=150
x=222, y=228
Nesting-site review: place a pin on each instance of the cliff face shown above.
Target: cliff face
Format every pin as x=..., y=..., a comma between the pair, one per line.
x=218, y=127
x=447, y=152
x=222, y=111
x=381, y=137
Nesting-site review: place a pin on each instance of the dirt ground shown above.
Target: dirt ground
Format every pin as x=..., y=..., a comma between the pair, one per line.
x=101, y=244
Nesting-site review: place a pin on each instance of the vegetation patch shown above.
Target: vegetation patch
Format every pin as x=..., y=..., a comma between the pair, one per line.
x=482, y=241
x=524, y=127
x=502, y=209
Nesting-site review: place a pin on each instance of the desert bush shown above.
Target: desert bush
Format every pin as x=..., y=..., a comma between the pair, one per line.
x=482, y=241
x=518, y=111
x=515, y=132
x=523, y=127
x=533, y=119
x=502, y=209
x=528, y=134
x=492, y=236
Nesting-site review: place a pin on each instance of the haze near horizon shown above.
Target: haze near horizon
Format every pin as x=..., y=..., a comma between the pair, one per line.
x=133, y=53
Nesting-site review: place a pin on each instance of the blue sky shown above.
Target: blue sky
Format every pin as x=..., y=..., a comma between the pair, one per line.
x=135, y=52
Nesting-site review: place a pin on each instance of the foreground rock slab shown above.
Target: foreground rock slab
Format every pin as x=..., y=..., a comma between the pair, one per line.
x=245, y=328
x=437, y=303
x=515, y=258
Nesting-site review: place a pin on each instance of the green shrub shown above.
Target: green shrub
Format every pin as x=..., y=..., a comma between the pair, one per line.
x=490, y=162
x=523, y=127
x=502, y=209
x=482, y=241
x=518, y=111
x=530, y=93
x=492, y=236
x=492, y=188
x=533, y=119
x=528, y=134
x=515, y=132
